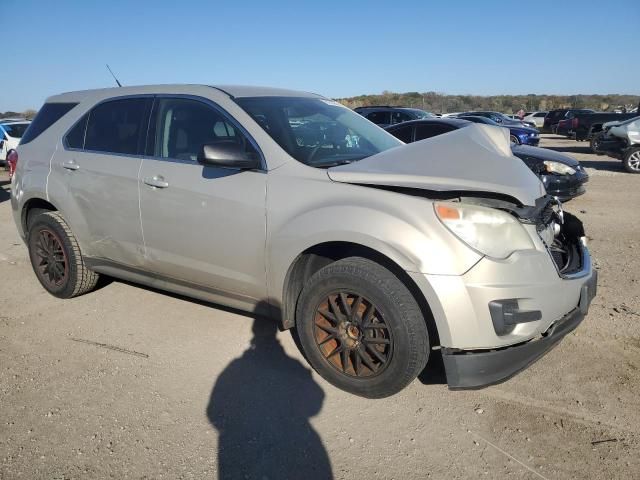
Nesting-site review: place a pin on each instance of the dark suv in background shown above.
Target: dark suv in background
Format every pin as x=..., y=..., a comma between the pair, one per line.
x=554, y=117
x=385, y=115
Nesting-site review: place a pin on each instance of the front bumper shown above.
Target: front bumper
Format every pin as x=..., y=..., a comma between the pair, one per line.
x=468, y=370
x=536, y=299
x=477, y=369
x=530, y=140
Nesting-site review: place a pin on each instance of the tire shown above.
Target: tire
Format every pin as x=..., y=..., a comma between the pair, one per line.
x=514, y=139
x=63, y=272
x=593, y=143
x=631, y=160
x=387, y=319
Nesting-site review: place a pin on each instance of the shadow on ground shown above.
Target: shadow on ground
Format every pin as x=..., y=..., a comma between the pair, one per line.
x=261, y=405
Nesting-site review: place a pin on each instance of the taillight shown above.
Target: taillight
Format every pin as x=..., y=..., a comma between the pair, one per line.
x=12, y=161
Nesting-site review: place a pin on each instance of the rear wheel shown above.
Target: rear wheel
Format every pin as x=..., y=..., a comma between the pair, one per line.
x=595, y=140
x=361, y=329
x=631, y=160
x=56, y=258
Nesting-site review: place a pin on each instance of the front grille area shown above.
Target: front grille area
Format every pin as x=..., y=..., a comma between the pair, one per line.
x=561, y=232
x=567, y=256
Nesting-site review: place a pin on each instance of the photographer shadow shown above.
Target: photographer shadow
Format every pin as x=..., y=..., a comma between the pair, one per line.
x=261, y=405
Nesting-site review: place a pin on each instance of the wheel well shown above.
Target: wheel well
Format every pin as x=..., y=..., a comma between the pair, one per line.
x=33, y=206
x=318, y=256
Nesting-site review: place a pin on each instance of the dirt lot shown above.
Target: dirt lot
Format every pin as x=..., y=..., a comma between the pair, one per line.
x=196, y=391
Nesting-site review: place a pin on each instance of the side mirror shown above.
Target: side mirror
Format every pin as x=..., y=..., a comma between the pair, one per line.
x=228, y=155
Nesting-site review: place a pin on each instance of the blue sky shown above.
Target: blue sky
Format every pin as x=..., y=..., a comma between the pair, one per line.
x=337, y=48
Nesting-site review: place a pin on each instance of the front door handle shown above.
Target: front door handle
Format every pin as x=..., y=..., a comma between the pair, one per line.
x=71, y=165
x=157, y=181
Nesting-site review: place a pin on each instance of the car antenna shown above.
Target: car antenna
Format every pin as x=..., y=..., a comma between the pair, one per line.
x=112, y=74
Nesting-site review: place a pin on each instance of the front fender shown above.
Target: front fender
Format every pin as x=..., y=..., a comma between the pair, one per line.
x=401, y=227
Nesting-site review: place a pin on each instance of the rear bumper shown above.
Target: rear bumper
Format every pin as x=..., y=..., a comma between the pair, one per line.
x=477, y=369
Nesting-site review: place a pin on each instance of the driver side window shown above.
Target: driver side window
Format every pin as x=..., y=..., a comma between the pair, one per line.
x=183, y=126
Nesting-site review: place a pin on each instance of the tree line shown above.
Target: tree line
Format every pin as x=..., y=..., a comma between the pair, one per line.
x=27, y=114
x=437, y=102
x=442, y=103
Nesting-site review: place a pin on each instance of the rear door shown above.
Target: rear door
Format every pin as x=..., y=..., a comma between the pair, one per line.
x=101, y=162
x=203, y=225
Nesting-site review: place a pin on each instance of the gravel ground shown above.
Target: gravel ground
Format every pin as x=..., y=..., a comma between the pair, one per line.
x=127, y=382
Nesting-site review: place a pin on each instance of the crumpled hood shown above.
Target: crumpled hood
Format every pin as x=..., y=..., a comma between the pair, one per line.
x=475, y=158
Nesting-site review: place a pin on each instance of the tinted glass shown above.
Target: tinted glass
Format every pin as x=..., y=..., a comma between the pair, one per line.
x=75, y=137
x=399, y=117
x=403, y=133
x=49, y=114
x=318, y=132
x=118, y=126
x=15, y=130
x=541, y=114
x=183, y=126
x=380, y=118
x=428, y=131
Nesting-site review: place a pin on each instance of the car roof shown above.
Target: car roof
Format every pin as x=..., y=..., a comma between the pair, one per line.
x=234, y=91
x=454, y=122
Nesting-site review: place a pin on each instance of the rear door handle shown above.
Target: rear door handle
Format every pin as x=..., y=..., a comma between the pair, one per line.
x=157, y=181
x=71, y=165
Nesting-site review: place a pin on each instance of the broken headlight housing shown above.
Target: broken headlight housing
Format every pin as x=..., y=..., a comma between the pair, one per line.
x=489, y=231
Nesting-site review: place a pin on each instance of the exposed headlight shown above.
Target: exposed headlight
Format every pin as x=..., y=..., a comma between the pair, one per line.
x=487, y=230
x=559, y=168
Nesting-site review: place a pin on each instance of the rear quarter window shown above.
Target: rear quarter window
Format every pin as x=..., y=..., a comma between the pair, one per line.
x=49, y=114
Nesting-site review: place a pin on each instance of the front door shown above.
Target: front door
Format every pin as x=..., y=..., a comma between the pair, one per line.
x=202, y=225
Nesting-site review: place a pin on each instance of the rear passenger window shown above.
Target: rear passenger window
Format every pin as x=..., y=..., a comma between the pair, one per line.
x=428, y=131
x=183, y=126
x=403, y=133
x=75, y=137
x=118, y=126
x=49, y=114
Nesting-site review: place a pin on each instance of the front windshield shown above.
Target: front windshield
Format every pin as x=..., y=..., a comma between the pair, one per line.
x=15, y=130
x=317, y=132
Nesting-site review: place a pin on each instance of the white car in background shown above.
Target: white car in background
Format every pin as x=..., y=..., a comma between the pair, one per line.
x=11, y=132
x=536, y=117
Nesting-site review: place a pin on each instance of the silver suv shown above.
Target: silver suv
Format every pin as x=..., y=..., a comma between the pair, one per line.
x=288, y=204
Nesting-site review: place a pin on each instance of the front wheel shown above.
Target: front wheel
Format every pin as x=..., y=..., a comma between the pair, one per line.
x=361, y=329
x=513, y=139
x=631, y=160
x=56, y=258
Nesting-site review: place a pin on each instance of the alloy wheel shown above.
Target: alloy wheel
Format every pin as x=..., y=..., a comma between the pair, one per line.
x=352, y=336
x=51, y=260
